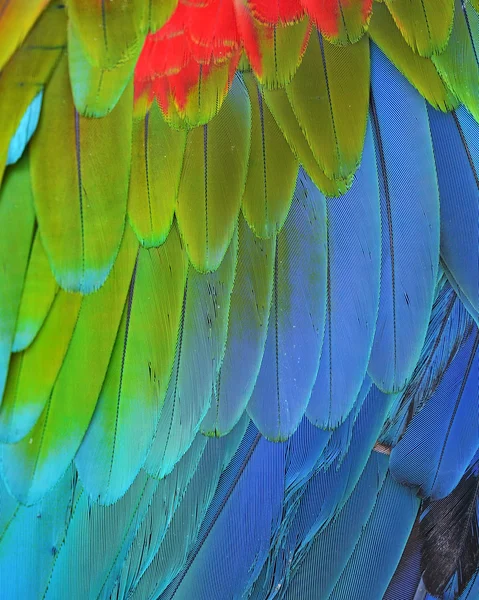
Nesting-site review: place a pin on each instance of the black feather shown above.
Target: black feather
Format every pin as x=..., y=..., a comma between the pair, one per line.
x=449, y=530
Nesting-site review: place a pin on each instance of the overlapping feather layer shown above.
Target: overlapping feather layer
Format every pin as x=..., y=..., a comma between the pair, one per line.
x=239, y=269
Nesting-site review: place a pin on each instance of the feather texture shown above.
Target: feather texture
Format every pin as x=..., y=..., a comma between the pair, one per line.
x=16, y=231
x=217, y=156
x=443, y=437
x=456, y=149
x=296, y=324
x=80, y=246
x=34, y=465
x=156, y=162
x=135, y=386
x=247, y=329
x=449, y=532
x=199, y=352
x=410, y=225
x=334, y=127
x=352, y=294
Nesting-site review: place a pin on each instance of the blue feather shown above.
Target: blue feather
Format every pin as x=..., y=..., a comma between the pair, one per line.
x=456, y=147
x=25, y=129
x=449, y=327
x=249, y=497
x=410, y=224
x=296, y=322
x=169, y=532
x=247, y=328
x=354, y=260
x=310, y=509
x=317, y=571
x=443, y=437
x=370, y=567
x=407, y=578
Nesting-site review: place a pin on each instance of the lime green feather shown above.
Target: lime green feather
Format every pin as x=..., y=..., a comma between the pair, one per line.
x=159, y=11
x=352, y=22
x=35, y=370
x=156, y=163
x=420, y=71
x=81, y=192
x=16, y=230
x=282, y=48
x=272, y=169
x=199, y=352
x=38, y=295
x=109, y=32
x=33, y=466
x=16, y=20
x=213, y=180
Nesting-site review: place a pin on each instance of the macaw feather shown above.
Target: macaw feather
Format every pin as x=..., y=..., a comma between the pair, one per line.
x=420, y=71
x=199, y=351
x=425, y=24
x=333, y=125
x=17, y=221
x=272, y=169
x=27, y=72
x=136, y=382
x=80, y=246
x=352, y=294
x=408, y=186
x=156, y=163
x=39, y=292
x=216, y=155
x=33, y=466
x=296, y=323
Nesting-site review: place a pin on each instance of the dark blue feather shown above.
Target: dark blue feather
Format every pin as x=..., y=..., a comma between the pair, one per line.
x=370, y=567
x=443, y=437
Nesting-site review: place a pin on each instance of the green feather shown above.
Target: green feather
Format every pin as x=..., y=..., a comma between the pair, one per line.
x=458, y=65
x=213, y=180
x=425, y=24
x=28, y=71
x=38, y=295
x=33, y=466
x=80, y=201
x=159, y=11
x=282, y=48
x=272, y=169
x=96, y=91
x=278, y=103
x=135, y=386
x=109, y=32
x=420, y=71
x=199, y=352
x=329, y=96
x=35, y=370
x=16, y=230
x=156, y=162
x=16, y=20
x=352, y=22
